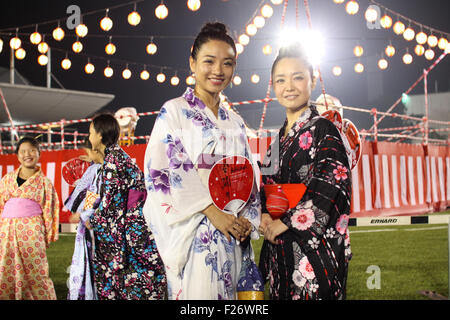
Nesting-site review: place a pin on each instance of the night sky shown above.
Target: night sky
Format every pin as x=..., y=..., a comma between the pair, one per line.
x=174, y=37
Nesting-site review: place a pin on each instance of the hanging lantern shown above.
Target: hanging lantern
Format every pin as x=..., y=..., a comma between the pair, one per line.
x=106, y=23
x=407, y=58
x=89, y=68
x=35, y=37
x=382, y=64
x=161, y=77
x=259, y=21
x=190, y=81
x=447, y=48
x=58, y=33
x=421, y=37
x=276, y=2
x=251, y=29
x=359, y=67
x=337, y=71
x=20, y=53
x=358, y=51
x=81, y=30
x=239, y=48
x=194, y=5
x=338, y=1
x=409, y=34
x=134, y=18
x=151, y=48
x=432, y=41
x=42, y=59
x=442, y=44
x=267, y=49
x=390, y=50
x=66, y=63
x=371, y=14
x=43, y=47
x=352, y=7
x=244, y=39
x=419, y=49
x=108, y=71
x=429, y=54
x=254, y=78
x=399, y=27
x=174, y=80
x=126, y=73
x=266, y=11
x=77, y=46
x=110, y=48
x=161, y=11
x=145, y=75
x=386, y=21
x=237, y=80
x=1, y=45
x=15, y=43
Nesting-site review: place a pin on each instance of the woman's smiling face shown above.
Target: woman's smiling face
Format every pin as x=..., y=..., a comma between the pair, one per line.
x=28, y=155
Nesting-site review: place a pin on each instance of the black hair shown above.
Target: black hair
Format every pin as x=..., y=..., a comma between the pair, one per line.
x=293, y=50
x=30, y=140
x=108, y=127
x=212, y=31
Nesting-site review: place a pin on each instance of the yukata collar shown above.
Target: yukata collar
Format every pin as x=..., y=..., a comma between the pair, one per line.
x=299, y=123
x=194, y=101
x=111, y=148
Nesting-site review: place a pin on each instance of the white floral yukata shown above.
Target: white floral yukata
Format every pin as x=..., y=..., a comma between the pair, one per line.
x=186, y=141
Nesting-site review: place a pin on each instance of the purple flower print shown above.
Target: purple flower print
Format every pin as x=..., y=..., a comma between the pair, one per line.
x=160, y=180
x=178, y=156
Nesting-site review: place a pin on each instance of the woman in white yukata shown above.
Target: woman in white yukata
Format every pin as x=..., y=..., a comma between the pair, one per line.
x=201, y=246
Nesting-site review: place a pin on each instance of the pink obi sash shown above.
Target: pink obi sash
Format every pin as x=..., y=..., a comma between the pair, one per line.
x=21, y=208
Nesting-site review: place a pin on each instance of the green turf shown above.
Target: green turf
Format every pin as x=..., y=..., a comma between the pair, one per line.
x=409, y=261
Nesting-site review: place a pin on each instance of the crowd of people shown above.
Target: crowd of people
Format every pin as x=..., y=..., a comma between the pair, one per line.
x=158, y=233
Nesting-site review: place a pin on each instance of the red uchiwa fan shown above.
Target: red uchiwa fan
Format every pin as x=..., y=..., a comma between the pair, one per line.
x=354, y=140
x=230, y=183
x=73, y=170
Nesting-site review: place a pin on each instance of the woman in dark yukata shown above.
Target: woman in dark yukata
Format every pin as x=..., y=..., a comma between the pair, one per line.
x=127, y=264
x=306, y=251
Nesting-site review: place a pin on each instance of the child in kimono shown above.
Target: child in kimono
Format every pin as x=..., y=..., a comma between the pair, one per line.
x=126, y=262
x=201, y=246
x=306, y=251
x=82, y=203
x=29, y=221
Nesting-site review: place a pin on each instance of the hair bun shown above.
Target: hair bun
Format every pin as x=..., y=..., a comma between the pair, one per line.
x=214, y=27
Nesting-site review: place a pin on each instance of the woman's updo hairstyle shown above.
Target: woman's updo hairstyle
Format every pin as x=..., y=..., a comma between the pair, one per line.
x=212, y=31
x=293, y=50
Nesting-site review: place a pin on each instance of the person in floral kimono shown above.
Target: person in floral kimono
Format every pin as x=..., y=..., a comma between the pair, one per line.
x=201, y=246
x=306, y=251
x=126, y=262
x=29, y=221
x=82, y=202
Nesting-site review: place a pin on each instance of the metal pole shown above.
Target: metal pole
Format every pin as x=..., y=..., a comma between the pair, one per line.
x=11, y=67
x=49, y=68
x=425, y=84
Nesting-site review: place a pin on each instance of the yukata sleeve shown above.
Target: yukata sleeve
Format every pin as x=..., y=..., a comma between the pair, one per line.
x=50, y=213
x=75, y=201
x=171, y=179
x=3, y=193
x=326, y=202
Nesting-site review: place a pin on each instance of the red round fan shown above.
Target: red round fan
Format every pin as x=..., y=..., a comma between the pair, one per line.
x=335, y=117
x=230, y=183
x=73, y=170
x=354, y=141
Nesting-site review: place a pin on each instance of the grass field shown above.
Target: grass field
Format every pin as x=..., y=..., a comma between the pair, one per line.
x=410, y=259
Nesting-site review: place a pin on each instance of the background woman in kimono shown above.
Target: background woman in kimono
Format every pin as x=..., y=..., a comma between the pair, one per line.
x=306, y=252
x=82, y=202
x=29, y=221
x=127, y=264
x=200, y=245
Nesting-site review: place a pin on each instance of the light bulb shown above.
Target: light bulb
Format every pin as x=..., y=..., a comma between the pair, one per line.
x=134, y=18
x=89, y=68
x=399, y=27
x=108, y=72
x=432, y=41
x=251, y=29
x=15, y=43
x=442, y=44
x=43, y=47
x=58, y=34
x=161, y=77
x=126, y=73
x=419, y=49
x=421, y=37
x=151, y=48
x=255, y=78
x=337, y=71
x=81, y=30
x=66, y=64
x=429, y=54
x=239, y=48
x=174, y=81
x=386, y=21
x=161, y=11
x=190, y=81
x=42, y=59
x=194, y=5
x=267, y=49
x=110, y=48
x=409, y=34
x=259, y=21
x=338, y=1
x=145, y=75
x=390, y=51
x=359, y=67
x=276, y=2
x=237, y=80
x=1, y=45
x=371, y=15
x=244, y=39
x=358, y=51
x=382, y=64
x=35, y=37
x=106, y=23
x=77, y=47
x=20, y=53
x=352, y=7
x=407, y=58
x=266, y=11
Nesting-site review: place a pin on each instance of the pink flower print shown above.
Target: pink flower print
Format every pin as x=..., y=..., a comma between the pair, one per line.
x=342, y=223
x=306, y=269
x=303, y=219
x=340, y=173
x=305, y=140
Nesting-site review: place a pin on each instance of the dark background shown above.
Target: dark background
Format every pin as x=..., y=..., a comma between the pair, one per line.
x=174, y=37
